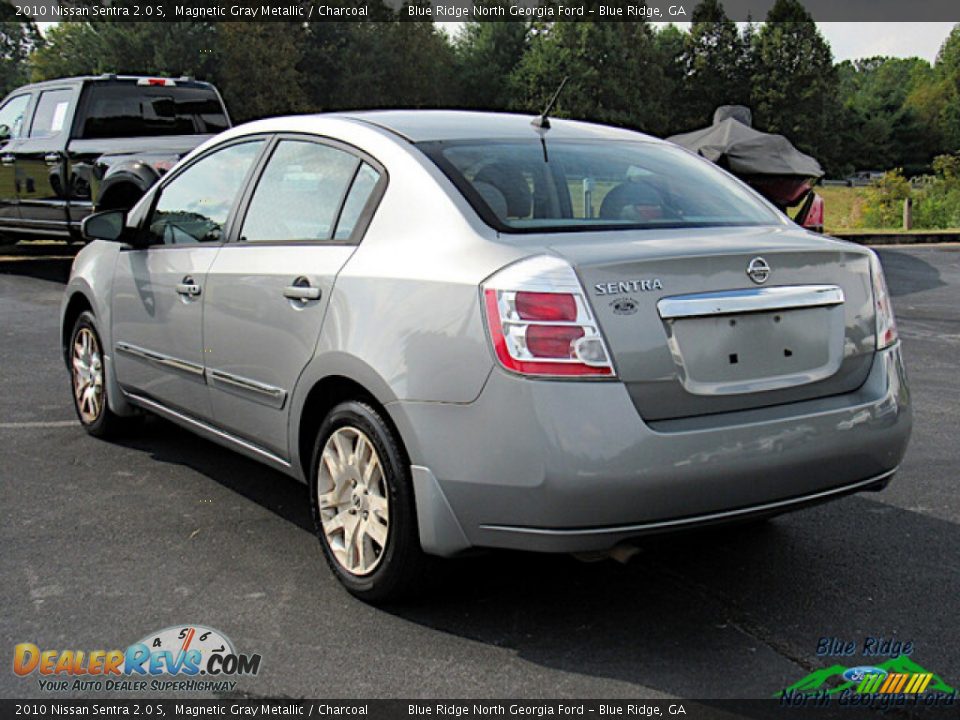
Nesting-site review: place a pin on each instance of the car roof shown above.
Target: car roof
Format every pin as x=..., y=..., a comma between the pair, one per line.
x=436, y=125
x=82, y=79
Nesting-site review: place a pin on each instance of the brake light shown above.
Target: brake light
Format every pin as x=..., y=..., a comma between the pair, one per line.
x=161, y=166
x=540, y=323
x=156, y=82
x=883, y=307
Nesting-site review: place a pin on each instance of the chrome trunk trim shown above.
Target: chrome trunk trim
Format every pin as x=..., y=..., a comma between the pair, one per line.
x=735, y=302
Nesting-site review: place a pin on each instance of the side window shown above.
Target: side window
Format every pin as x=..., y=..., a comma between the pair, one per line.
x=194, y=207
x=11, y=116
x=300, y=193
x=363, y=185
x=51, y=114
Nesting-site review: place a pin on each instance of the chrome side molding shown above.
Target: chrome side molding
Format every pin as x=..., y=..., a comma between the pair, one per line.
x=735, y=302
x=261, y=392
x=212, y=432
x=167, y=361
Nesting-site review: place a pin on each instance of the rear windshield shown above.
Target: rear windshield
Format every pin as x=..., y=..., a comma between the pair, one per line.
x=562, y=185
x=115, y=110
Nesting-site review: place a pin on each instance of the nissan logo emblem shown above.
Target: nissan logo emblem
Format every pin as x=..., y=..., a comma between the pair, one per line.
x=758, y=270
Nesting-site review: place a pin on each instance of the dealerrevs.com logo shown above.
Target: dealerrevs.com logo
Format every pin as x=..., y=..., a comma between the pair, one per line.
x=180, y=658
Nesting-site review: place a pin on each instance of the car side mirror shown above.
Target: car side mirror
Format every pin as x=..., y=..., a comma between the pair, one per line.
x=5, y=133
x=109, y=225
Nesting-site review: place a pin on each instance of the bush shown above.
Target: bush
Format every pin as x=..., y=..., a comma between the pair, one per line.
x=937, y=205
x=936, y=198
x=883, y=207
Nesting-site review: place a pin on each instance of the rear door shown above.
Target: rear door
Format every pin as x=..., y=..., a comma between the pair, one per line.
x=41, y=161
x=12, y=116
x=267, y=292
x=158, y=291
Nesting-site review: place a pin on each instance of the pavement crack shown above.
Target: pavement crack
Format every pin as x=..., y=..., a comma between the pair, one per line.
x=731, y=608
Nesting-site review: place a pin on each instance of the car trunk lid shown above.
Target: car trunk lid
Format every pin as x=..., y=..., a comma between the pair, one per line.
x=692, y=333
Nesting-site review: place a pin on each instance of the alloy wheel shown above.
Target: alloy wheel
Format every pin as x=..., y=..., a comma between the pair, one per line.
x=354, y=501
x=87, y=366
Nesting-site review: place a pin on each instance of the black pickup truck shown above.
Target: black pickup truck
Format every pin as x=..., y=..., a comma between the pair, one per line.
x=73, y=145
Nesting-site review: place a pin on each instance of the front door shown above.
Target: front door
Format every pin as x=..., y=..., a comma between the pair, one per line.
x=267, y=293
x=159, y=290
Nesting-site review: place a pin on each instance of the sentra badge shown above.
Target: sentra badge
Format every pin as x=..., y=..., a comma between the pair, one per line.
x=628, y=286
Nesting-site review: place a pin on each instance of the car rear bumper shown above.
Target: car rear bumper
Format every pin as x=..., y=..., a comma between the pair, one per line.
x=571, y=466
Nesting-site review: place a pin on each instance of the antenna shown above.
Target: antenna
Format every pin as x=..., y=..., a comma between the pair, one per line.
x=543, y=122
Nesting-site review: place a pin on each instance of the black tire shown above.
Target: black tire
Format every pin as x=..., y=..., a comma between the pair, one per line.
x=103, y=423
x=401, y=564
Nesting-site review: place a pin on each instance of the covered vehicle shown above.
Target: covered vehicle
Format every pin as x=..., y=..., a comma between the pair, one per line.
x=767, y=162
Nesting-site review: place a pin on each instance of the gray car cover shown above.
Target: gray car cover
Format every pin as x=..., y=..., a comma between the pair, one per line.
x=733, y=144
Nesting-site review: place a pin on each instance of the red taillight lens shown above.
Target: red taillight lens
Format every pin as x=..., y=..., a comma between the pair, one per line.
x=540, y=323
x=557, y=307
x=552, y=341
x=883, y=306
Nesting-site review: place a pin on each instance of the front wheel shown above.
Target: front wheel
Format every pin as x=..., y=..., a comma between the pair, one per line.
x=363, y=505
x=88, y=379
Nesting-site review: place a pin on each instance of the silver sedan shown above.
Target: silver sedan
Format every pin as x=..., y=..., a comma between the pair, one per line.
x=469, y=330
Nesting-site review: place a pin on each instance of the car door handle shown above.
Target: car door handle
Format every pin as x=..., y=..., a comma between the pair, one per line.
x=188, y=287
x=8, y=160
x=52, y=158
x=301, y=290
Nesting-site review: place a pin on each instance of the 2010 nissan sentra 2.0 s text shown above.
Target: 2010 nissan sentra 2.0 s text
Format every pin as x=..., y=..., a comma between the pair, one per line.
x=467, y=330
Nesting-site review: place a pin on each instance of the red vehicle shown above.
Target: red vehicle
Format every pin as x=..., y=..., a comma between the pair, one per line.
x=769, y=163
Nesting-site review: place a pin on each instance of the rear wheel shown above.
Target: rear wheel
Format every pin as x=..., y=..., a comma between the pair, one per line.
x=88, y=379
x=363, y=505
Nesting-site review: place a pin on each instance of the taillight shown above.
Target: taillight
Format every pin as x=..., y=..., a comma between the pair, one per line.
x=883, y=308
x=540, y=323
x=161, y=166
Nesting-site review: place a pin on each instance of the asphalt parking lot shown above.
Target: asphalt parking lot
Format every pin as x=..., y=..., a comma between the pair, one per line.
x=104, y=543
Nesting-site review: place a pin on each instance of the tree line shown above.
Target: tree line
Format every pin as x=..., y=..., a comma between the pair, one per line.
x=875, y=113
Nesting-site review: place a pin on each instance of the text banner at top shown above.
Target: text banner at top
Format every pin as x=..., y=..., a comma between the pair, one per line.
x=467, y=10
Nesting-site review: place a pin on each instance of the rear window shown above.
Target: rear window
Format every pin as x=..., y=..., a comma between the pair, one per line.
x=562, y=185
x=116, y=110
x=51, y=113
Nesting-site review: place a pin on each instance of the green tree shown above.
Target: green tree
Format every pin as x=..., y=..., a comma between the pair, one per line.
x=257, y=68
x=390, y=63
x=669, y=45
x=879, y=127
x=17, y=40
x=713, y=65
x=615, y=76
x=947, y=69
x=487, y=53
x=92, y=48
x=794, y=82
